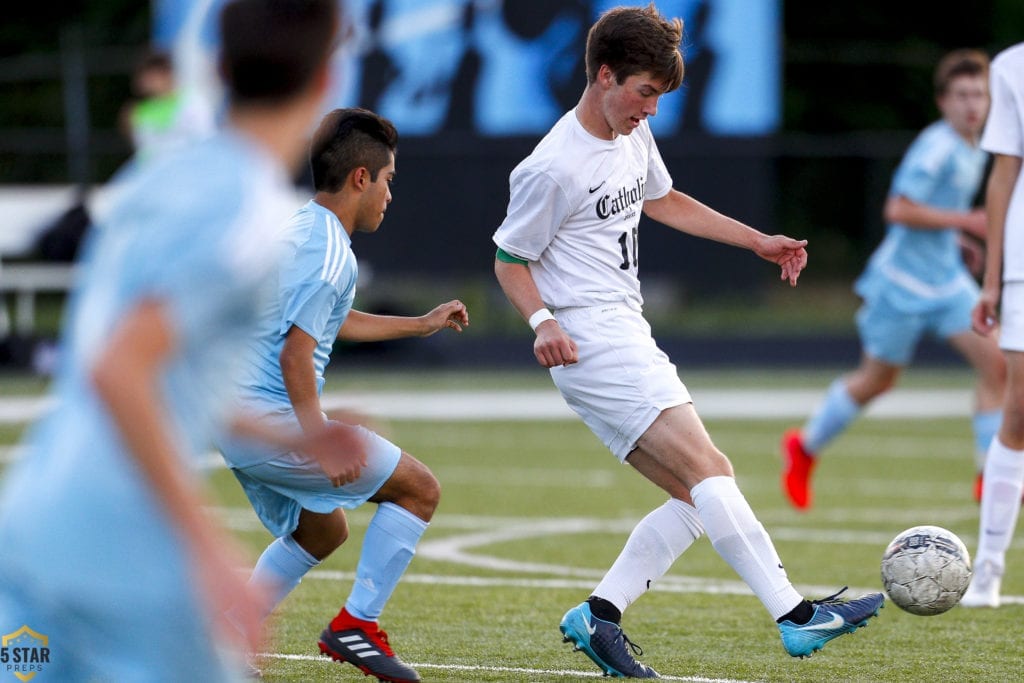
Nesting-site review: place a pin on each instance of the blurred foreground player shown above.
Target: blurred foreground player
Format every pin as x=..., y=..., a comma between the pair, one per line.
x=106, y=549
x=353, y=162
x=569, y=243
x=1002, y=300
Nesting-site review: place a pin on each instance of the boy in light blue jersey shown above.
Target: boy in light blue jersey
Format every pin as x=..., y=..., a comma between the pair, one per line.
x=916, y=282
x=109, y=567
x=301, y=504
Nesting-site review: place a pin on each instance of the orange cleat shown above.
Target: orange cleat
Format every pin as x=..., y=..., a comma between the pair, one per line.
x=796, y=475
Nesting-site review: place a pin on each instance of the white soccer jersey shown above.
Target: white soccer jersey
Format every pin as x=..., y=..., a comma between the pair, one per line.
x=1004, y=134
x=574, y=211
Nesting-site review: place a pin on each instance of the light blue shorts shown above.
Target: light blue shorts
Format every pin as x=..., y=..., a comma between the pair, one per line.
x=279, y=489
x=892, y=335
x=622, y=381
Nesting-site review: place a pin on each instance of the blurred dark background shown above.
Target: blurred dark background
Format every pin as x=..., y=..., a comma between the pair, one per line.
x=855, y=88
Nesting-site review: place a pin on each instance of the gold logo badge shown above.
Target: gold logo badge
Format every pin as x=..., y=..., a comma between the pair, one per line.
x=24, y=653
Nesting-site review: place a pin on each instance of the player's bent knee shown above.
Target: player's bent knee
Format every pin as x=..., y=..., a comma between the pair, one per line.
x=428, y=490
x=412, y=486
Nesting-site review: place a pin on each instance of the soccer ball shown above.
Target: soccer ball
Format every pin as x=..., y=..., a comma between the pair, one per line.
x=926, y=570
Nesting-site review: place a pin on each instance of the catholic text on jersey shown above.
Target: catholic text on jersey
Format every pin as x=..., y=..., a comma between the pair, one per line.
x=610, y=205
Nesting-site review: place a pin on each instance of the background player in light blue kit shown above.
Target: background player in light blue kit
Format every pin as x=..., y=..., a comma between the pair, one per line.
x=106, y=548
x=353, y=163
x=916, y=282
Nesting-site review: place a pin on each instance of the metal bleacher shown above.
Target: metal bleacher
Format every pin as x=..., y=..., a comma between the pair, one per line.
x=27, y=210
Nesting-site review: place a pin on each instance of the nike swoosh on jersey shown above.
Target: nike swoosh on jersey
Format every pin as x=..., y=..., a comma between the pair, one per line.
x=836, y=622
x=592, y=190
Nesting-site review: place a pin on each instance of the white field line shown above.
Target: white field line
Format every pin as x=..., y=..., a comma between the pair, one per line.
x=501, y=669
x=547, y=404
x=466, y=548
x=498, y=404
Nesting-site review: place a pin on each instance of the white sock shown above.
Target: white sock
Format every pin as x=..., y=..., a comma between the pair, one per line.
x=653, y=545
x=1000, y=502
x=742, y=542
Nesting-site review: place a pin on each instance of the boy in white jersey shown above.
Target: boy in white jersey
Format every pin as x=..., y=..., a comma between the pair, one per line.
x=916, y=282
x=1002, y=299
x=109, y=564
x=353, y=163
x=567, y=260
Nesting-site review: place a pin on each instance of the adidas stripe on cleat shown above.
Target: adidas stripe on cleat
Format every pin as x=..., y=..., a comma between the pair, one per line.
x=367, y=650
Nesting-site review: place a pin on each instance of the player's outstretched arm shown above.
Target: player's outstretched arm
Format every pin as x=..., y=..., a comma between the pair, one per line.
x=899, y=209
x=367, y=327
x=686, y=214
x=788, y=253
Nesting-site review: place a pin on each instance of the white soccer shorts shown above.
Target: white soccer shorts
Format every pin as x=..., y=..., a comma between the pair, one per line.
x=622, y=381
x=1011, y=317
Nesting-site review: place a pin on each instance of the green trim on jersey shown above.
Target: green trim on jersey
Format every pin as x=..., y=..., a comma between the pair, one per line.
x=506, y=257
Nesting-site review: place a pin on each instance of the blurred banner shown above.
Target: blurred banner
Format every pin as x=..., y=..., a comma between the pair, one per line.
x=496, y=68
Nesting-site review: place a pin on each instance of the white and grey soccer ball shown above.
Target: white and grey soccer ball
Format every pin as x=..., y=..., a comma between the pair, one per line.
x=926, y=570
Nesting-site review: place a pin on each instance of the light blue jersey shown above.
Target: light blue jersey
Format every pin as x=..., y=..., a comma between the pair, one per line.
x=917, y=270
x=88, y=557
x=315, y=290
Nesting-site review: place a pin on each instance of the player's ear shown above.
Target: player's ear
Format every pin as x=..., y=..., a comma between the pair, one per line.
x=360, y=177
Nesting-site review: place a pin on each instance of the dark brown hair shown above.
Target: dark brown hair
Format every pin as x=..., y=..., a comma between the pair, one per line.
x=964, y=62
x=271, y=50
x=632, y=40
x=347, y=139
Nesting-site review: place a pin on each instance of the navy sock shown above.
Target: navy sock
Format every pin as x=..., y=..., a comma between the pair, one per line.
x=604, y=610
x=799, y=615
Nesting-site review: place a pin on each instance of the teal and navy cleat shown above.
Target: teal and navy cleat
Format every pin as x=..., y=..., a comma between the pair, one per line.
x=604, y=642
x=832, y=618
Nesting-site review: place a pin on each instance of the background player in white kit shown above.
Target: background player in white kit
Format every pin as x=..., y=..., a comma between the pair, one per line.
x=353, y=162
x=568, y=245
x=106, y=546
x=1002, y=299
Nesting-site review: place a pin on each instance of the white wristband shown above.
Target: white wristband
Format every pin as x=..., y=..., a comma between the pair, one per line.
x=539, y=316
